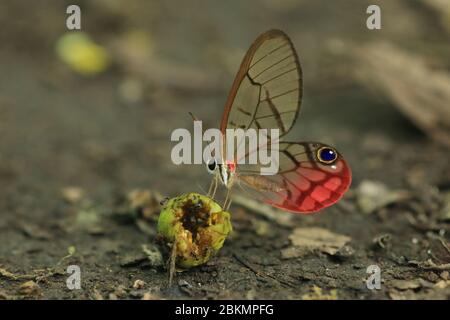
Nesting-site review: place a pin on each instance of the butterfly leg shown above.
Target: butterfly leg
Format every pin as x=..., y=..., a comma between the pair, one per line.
x=227, y=202
x=213, y=187
x=228, y=205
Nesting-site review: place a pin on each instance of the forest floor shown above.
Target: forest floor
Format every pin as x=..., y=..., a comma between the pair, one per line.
x=83, y=161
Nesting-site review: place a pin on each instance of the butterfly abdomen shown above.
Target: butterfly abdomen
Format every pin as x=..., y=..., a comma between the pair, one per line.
x=261, y=183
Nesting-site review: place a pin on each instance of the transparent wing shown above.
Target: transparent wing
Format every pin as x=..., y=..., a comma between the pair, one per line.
x=267, y=91
x=303, y=183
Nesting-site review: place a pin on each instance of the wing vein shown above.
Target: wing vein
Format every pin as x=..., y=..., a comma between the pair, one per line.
x=277, y=76
x=281, y=94
x=273, y=65
x=270, y=52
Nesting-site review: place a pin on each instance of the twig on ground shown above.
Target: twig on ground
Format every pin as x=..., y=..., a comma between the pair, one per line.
x=260, y=273
x=430, y=265
x=172, y=261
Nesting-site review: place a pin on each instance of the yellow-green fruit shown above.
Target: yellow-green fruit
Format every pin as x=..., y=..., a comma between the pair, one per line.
x=81, y=54
x=198, y=226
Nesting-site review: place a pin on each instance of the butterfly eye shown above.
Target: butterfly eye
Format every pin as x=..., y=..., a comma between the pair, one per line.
x=326, y=155
x=211, y=165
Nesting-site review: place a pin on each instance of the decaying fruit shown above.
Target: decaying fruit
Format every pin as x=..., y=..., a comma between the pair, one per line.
x=196, y=225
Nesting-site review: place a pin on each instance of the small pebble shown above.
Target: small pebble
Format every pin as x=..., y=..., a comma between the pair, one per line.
x=139, y=284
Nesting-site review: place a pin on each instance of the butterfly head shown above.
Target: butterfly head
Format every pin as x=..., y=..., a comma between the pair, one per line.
x=211, y=166
x=225, y=171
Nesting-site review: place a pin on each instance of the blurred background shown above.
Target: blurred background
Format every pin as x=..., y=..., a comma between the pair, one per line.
x=86, y=118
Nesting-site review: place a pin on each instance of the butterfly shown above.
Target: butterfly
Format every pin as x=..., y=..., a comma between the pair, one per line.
x=266, y=94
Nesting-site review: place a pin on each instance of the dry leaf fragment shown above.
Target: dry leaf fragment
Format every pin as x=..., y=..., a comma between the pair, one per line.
x=146, y=202
x=139, y=284
x=9, y=275
x=72, y=194
x=442, y=284
x=150, y=296
x=373, y=195
x=305, y=240
x=405, y=284
x=316, y=294
x=30, y=288
x=402, y=295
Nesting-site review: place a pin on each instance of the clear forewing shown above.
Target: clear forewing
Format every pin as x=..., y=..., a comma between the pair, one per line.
x=303, y=183
x=267, y=91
